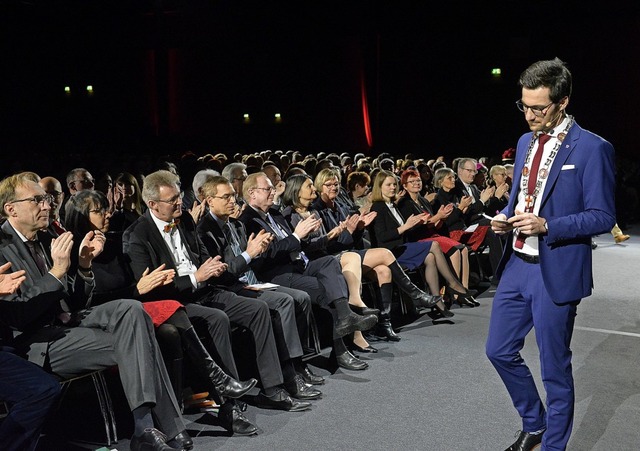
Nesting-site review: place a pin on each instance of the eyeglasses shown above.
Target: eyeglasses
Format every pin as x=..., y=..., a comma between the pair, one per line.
x=226, y=197
x=414, y=182
x=175, y=200
x=85, y=181
x=99, y=211
x=55, y=193
x=242, y=179
x=39, y=199
x=331, y=185
x=271, y=189
x=538, y=111
x=473, y=171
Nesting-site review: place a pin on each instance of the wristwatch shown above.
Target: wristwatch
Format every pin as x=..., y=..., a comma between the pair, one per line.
x=546, y=225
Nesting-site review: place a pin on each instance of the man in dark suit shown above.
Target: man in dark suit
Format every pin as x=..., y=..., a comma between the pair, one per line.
x=285, y=264
x=71, y=337
x=562, y=195
x=467, y=170
x=291, y=308
x=163, y=235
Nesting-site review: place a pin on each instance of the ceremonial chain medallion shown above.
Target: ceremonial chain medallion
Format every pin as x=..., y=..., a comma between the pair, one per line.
x=543, y=172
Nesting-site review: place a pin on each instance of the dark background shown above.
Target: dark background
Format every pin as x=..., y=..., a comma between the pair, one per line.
x=171, y=76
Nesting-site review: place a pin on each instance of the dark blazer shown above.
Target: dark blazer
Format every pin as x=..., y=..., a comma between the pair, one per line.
x=283, y=255
x=384, y=228
x=216, y=243
x=40, y=293
x=578, y=202
x=455, y=221
x=474, y=212
x=143, y=243
x=408, y=207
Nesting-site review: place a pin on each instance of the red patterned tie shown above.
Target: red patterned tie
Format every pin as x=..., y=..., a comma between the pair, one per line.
x=533, y=179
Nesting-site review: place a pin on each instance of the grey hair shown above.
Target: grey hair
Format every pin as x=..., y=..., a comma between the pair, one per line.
x=152, y=183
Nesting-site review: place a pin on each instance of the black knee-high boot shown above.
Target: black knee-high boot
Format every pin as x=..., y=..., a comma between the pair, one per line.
x=224, y=385
x=383, y=328
x=403, y=281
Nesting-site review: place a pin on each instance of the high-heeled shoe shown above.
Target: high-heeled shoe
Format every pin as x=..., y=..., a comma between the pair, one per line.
x=443, y=311
x=461, y=299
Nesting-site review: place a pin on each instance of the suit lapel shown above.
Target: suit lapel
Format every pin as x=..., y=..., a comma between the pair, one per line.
x=17, y=253
x=157, y=242
x=564, y=151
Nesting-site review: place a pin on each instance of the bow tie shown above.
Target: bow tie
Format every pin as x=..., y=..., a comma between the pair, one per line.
x=172, y=225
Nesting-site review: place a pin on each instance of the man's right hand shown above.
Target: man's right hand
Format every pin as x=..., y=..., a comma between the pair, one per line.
x=500, y=225
x=257, y=244
x=212, y=267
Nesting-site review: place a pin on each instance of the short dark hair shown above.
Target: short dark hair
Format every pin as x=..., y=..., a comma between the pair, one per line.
x=552, y=74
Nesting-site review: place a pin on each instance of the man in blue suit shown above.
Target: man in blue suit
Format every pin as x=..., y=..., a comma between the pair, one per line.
x=559, y=200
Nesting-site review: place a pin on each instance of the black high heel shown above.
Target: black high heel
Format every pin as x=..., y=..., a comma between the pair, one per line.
x=461, y=299
x=443, y=311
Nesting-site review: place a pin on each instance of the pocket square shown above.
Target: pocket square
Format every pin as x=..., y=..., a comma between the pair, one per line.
x=567, y=166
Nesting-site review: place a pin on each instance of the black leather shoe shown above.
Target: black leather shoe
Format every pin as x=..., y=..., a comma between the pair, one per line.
x=151, y=440
x=281, y=401
x=385, y=330
x=526, y=441
x=364, y=311
x=311, y=378
x=349, y=361
x=368, y=349
x=426, y=300
x=235, y=389
x=231, y=418
x=353, y=322
x=181, y=441
x=299, y=389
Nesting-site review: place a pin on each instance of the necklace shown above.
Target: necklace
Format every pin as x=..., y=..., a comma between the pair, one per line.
x=530, y=198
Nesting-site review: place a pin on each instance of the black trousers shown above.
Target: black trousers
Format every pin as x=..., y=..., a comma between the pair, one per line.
x=252, y=314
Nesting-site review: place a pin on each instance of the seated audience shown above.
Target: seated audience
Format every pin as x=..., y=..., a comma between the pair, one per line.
x=114, y=280
x=64, y=323
x=389, y=230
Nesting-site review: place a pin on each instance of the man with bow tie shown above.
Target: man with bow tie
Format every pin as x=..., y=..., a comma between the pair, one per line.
x=210, y=306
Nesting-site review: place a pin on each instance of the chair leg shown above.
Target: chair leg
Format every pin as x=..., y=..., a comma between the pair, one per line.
x=106, y=407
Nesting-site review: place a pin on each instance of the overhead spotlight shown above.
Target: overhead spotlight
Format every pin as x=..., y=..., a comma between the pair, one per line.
x=278, y=117
x=90, y=90
x=496, y=71
x=67, y=90
x=246, y=118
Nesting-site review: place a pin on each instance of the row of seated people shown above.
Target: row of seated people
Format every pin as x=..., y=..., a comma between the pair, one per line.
x=211, y=292
x=91, y=277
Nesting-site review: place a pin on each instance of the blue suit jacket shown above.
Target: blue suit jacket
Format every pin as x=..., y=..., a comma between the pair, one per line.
x=578, y=202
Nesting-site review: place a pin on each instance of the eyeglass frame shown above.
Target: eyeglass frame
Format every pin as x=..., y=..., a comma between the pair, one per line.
x=175, y=200
x=227, y=197
x=474, y=171
x=335, y=185
x=271, y=189
x=43, y=198
x=413, y=182
x=537, y=111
